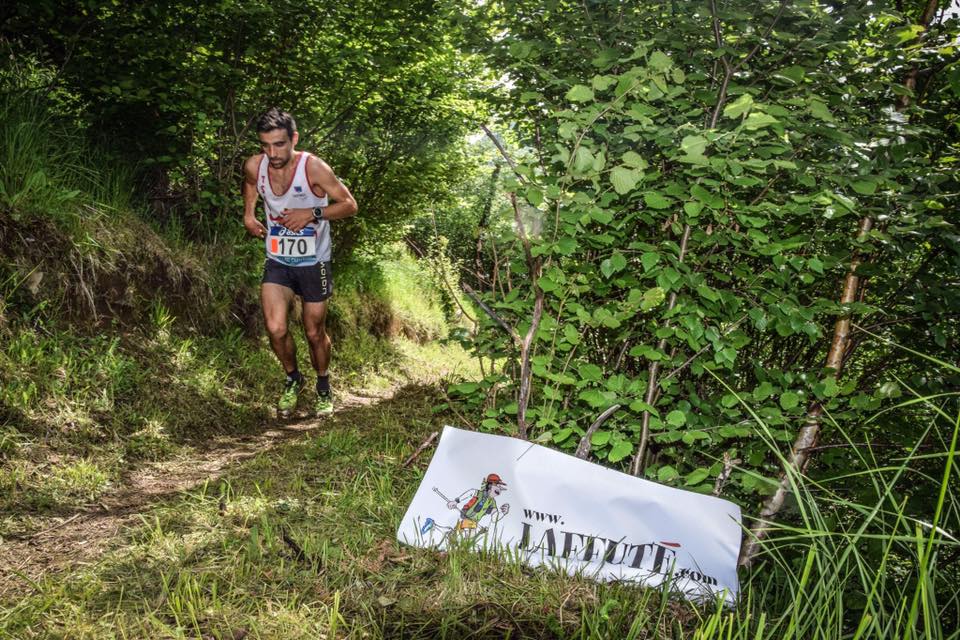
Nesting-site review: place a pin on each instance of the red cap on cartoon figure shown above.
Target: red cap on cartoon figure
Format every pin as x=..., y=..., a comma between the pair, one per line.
x=495, y=479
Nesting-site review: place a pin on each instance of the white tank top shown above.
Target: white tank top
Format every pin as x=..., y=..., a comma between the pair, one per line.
x=312, y=244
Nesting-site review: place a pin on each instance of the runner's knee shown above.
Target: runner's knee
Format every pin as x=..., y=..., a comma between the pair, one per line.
x=277, y=330
x=316, y=334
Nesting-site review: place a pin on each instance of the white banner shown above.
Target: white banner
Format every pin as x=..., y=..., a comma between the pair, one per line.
x=553, y=509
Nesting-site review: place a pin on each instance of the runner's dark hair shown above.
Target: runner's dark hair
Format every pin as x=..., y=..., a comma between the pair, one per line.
x=273, y=119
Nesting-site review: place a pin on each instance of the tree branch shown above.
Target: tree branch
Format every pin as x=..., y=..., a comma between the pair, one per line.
x=583, y=449
x=636, y=467
x=490, y=312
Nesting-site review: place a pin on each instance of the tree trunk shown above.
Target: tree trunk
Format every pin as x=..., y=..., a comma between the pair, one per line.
x=809, y=433
x=534, y=266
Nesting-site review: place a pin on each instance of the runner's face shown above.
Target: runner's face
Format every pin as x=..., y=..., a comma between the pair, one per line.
x=278, y=147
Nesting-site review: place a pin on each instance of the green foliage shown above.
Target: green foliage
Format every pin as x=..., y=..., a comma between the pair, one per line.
x=44, y=168
x=696, y=225
x=382, y=95
x=702, y=222
x=378, y=300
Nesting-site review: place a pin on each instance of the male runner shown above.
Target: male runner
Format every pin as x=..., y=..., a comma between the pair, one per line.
x=296, y=188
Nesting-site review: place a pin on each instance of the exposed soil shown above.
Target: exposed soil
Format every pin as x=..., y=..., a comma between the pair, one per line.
x=83, y=537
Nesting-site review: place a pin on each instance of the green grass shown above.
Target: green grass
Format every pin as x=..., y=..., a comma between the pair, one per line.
x=153, y=392
x=299, y=543
x=304, y=543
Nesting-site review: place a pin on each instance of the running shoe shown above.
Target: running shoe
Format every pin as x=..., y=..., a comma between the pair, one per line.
x=324, y=404
x=288, y=399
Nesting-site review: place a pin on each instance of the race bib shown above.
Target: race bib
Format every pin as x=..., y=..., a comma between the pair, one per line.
x=293, y=248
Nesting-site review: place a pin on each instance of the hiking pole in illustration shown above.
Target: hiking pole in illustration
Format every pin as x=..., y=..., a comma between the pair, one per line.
x=429, y=523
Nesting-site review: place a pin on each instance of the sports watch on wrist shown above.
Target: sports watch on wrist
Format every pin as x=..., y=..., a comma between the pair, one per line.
x=318, y=214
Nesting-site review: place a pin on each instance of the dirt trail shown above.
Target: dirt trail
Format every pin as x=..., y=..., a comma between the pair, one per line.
x=83, y=537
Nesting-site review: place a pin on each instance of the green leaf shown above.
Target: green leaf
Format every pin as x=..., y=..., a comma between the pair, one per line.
x=600, y=438
x=758, y=120
x=490, y=424
x=660, y=61
x=613, y=264
x=464, y=388
x=830, y=387
x=547, y=284
x=640, y=405
x=738, y=107
x=652, y=298
x=908, y=33
x=566, y=245
x=864, y=187
x=655, y=200
x=620, y=451
x=562, y=435
x=602, y=83
x=667, y=473
x=597, y=399
x=534, y=196
x=624, y=180
x=693, y=145
x=634, y=159
x=889, y=389
x=677, y=418
x=579, y=93
x=583, y=160
x=789, y=400
x=763, y=391
x=649, y=260
x=820, y=111
x=696, y=476
x=692, y=209
x=708, y=293
x=691, y=437
x=520, y=49
x=794, y=74
x=590, y=372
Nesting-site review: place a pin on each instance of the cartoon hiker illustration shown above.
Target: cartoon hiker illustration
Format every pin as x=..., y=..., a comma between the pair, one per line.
x=481, y=504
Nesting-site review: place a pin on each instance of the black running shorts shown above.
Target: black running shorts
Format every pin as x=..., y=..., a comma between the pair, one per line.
x=313, y=283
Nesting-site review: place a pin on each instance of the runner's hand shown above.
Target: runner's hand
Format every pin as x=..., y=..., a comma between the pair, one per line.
x=451, y=505
x=296, y=219
x=255, y=228
x=505, y=509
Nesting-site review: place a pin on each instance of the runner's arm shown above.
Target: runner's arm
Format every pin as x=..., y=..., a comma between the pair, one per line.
x=254, y=227
x=322, y=180
x=322, y=177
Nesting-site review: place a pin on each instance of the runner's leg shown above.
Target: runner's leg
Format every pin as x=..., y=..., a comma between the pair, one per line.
x=314, y=325
x=276, y=300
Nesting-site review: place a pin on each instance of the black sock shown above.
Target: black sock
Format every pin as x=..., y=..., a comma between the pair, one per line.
x=323, y=385
x=294, y=376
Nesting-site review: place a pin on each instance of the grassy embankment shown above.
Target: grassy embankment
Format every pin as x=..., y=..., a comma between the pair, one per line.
x=123, y=342
x=299, y=543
